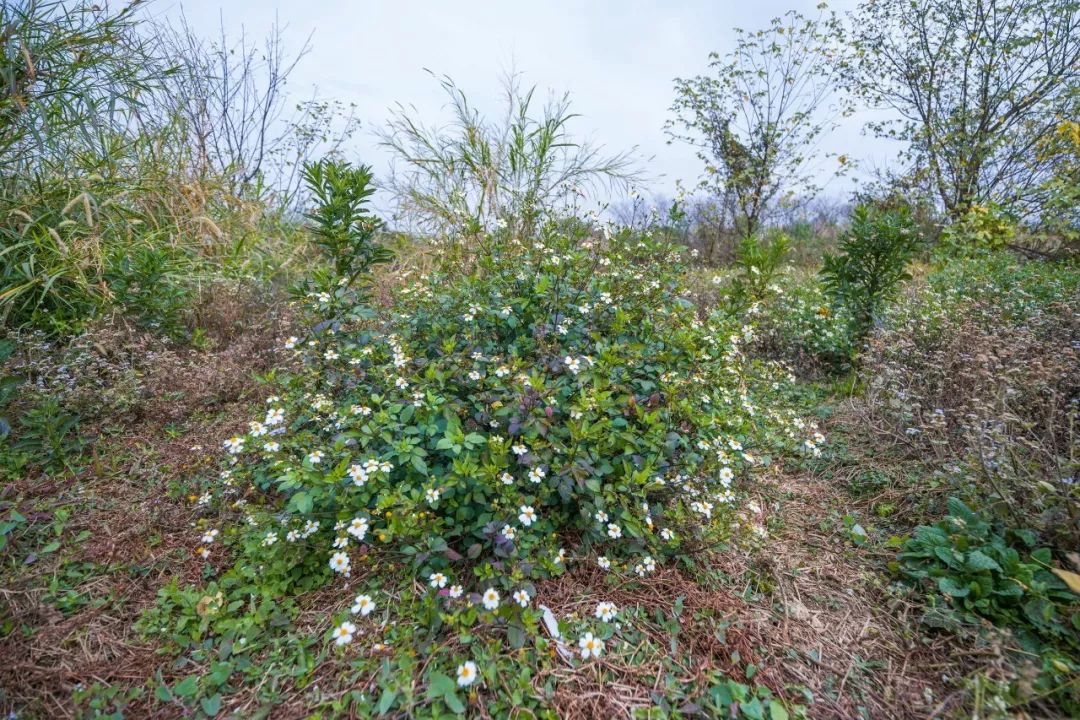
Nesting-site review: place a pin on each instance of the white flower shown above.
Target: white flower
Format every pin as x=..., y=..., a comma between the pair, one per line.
x=527, y=515
x=509, y=532
x=705, y=508
x=275, y=416
x=339, y=563
x=606, y=611
x=291, y=342
x=432, y=495
x=257, y=429
x=507, y=478
x=456, y=591
x=536, y=475
x=270, y=539
x=466, y=673
x=521, y=597
x=603, y=562
x=209, y=536
x=491, y=599
x=520, y=449
x=358, y=528
x=358, y=474
x=572, y=364
x=590, y=646
x=601, y=517
x=315, y=457
x=614, y=531
x=401, y=383
x=234, y=445
x=438, y=580
x=271, y=446
x=343, y=633
x=666, y=534
x=363, y=605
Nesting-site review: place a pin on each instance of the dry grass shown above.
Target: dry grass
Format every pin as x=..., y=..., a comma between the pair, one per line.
x=805, y=608
x=853, y=642
x=139, y=537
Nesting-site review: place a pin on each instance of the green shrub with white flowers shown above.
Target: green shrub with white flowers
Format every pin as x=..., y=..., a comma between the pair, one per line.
x=514, y=411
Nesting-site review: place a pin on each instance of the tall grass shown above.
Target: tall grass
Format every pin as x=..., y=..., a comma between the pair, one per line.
x=479, y=172
x=106, y=199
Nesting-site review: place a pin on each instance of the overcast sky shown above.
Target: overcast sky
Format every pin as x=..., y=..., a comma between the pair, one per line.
x=617, y=58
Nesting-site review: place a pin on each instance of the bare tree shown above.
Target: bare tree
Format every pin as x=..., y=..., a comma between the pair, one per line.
x=757, y=117
x=230, y=98
x=976, y=86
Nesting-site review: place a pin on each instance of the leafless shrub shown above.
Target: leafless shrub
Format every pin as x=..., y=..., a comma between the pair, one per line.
x=991, y=394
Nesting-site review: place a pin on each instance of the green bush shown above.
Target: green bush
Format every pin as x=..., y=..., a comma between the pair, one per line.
x=757, y=264
x=342, y=226
x=982, y=570
x=556, y=400
x=982, y=227
x=874, y=255
x=977, y=566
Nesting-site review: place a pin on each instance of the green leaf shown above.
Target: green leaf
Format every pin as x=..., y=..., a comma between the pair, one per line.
x=187, y=687
x=515, y=635
x=777, y=711
x=977, y=560
x=386, y=700
x=442, y=686
x=454, y=703
x=949, y=586
x=211, y=705
x=301, y=502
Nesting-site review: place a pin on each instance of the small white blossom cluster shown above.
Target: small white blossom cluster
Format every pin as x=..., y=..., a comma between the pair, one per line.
x=355, y=439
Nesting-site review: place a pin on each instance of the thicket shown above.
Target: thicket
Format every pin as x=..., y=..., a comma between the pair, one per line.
x=526, y=385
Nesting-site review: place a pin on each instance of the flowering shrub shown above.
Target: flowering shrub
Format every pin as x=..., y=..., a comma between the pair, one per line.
x=505, y=417
x=798, y=324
